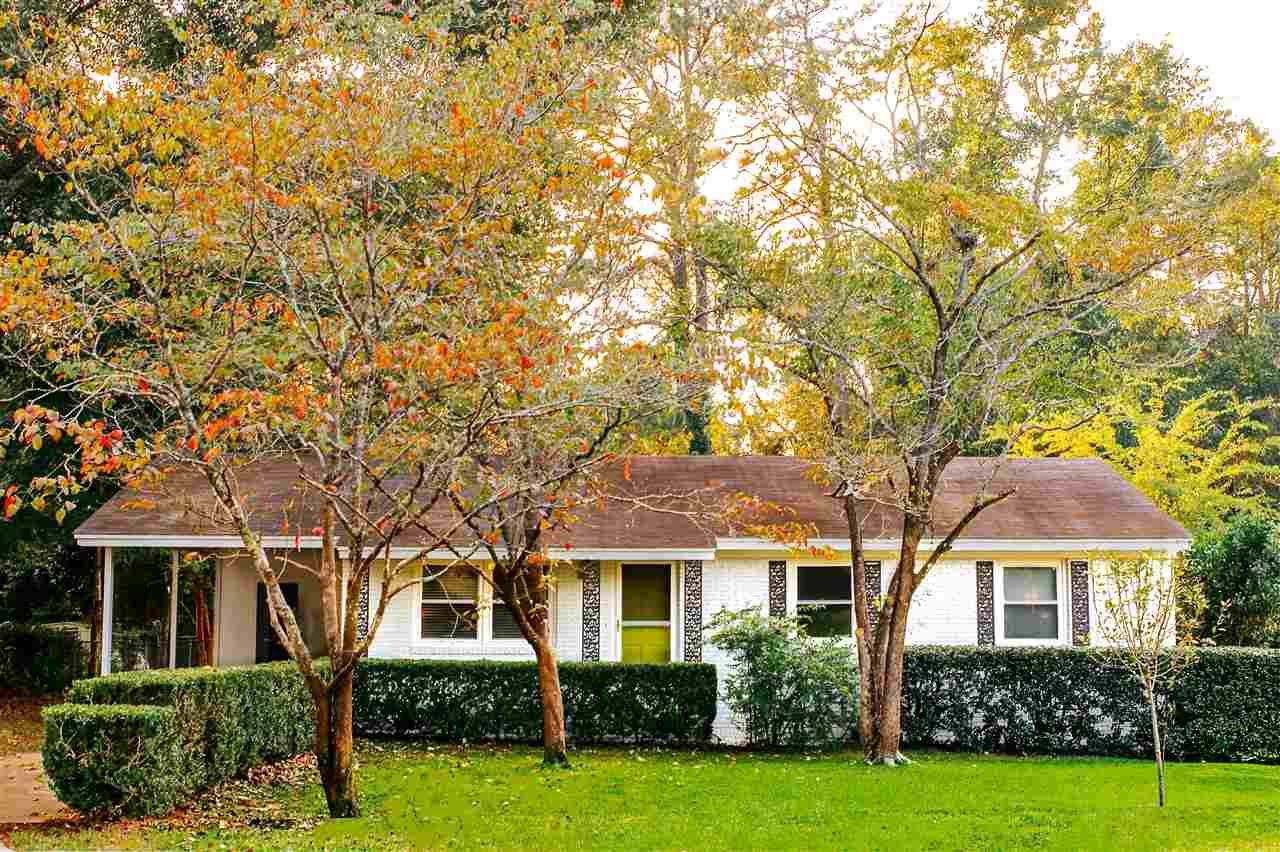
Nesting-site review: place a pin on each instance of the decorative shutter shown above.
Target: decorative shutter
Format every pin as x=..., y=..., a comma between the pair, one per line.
x=986, y=603
x=362, y=609
x=778, y=588
x=590, y=572
x=1080, y=602
x=872, y=575
x=693, y=611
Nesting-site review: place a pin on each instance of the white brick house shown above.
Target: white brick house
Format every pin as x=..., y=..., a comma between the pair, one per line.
x=633, y=584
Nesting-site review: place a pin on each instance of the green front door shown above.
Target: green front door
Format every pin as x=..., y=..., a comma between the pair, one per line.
x=646, y=613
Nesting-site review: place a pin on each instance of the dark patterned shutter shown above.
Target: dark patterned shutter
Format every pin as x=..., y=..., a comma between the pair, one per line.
x=362, y=609
x=590, y=573
x=872, y=570
x=693, y=611
x=778, y=588
x=1080, y=602
x=986, y=603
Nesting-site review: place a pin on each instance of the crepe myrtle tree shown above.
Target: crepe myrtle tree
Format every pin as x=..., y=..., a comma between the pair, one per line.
x=1141, y=600
x=555, y=476
x=946, y=202
x=356, y=255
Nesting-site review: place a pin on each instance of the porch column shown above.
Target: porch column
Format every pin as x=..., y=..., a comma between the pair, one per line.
x=173, y=612
x=108, y=601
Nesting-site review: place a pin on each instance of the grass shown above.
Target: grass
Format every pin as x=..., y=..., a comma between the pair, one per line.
x=483, y=798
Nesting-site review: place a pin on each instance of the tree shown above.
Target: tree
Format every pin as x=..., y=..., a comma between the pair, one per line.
x=969, y=192
x=1201, y=460
x=1238, y=570
x=370, y=255
x=1139, y=600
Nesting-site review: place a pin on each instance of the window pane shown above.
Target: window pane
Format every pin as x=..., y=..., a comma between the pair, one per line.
x=448, y=621
x=504, y=623
x=457, y=584
x=646, y=592
x=824, y=583
x=1034, y=585
x=1031, y=621
x=827, y=619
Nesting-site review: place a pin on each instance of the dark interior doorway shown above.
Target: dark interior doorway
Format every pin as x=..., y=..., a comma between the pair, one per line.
x=269, y=648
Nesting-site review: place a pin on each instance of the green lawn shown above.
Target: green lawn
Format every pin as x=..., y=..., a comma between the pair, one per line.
x=617, y=799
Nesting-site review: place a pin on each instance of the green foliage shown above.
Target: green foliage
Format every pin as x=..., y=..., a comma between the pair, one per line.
x=1068, y=701
x=116, y=759
x=39, y=660
x=490, y=699
x=485, y=798
x=1239, y=571
x=786, y=689
x=223, y=722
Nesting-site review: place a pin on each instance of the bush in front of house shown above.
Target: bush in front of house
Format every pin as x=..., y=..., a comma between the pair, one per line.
x=39, y=659
x=1071, y=701
x=785, y=689
x=467, y=700
x=116, y=759
x=114, y=730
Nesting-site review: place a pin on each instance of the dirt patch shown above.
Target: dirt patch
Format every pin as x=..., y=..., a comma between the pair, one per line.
x=21, y=729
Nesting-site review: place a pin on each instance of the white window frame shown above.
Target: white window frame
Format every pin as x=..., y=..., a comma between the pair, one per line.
x=484, y=640
x=793, y=591
x=1062, y=579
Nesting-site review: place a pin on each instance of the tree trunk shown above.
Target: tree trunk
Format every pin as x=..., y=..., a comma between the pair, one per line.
x=555, y=749
x=333, y=747
x=1159, y=746
x=881, y=654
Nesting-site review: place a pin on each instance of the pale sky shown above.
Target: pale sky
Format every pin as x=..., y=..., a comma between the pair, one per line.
x=1236, y=41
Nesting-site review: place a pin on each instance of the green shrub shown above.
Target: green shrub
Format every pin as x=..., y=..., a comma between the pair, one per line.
x=117, y=759
x=39, y=659
x=235, y=718
x=786, y=689
x=489, y=699
x=1069, y=701
x=1239, y=571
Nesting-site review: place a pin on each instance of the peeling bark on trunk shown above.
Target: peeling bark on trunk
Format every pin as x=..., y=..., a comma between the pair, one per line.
x=881, y=653
x=333, y=745
x=555, y=746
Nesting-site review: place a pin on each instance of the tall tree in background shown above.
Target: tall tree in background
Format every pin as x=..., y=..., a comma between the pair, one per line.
x=674, y=127
x=353, y=256
x=984, y=189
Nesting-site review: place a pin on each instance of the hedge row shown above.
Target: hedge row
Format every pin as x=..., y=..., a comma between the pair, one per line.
x=40, y=659
x=489, y=699
x=223, y=722
x=141, y=742
x=1226, y=706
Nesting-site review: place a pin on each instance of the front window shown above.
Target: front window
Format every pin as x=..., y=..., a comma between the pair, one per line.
x=1030, y=603
x=824, y=597
x=449, y=602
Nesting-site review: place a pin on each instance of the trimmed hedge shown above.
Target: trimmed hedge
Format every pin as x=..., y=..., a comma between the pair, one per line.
x=116, y=758
x=140, y=743
x=40, y=659
x=225, y=721
x=1067, y=701
x=489, y=699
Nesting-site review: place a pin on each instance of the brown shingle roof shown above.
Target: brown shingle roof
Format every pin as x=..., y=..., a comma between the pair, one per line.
x=1073, y=499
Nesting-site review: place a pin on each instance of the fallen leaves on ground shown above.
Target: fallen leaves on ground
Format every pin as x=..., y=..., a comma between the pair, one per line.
x=21, y=728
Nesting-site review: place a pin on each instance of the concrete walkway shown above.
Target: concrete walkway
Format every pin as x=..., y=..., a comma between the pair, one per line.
x=24, y=797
